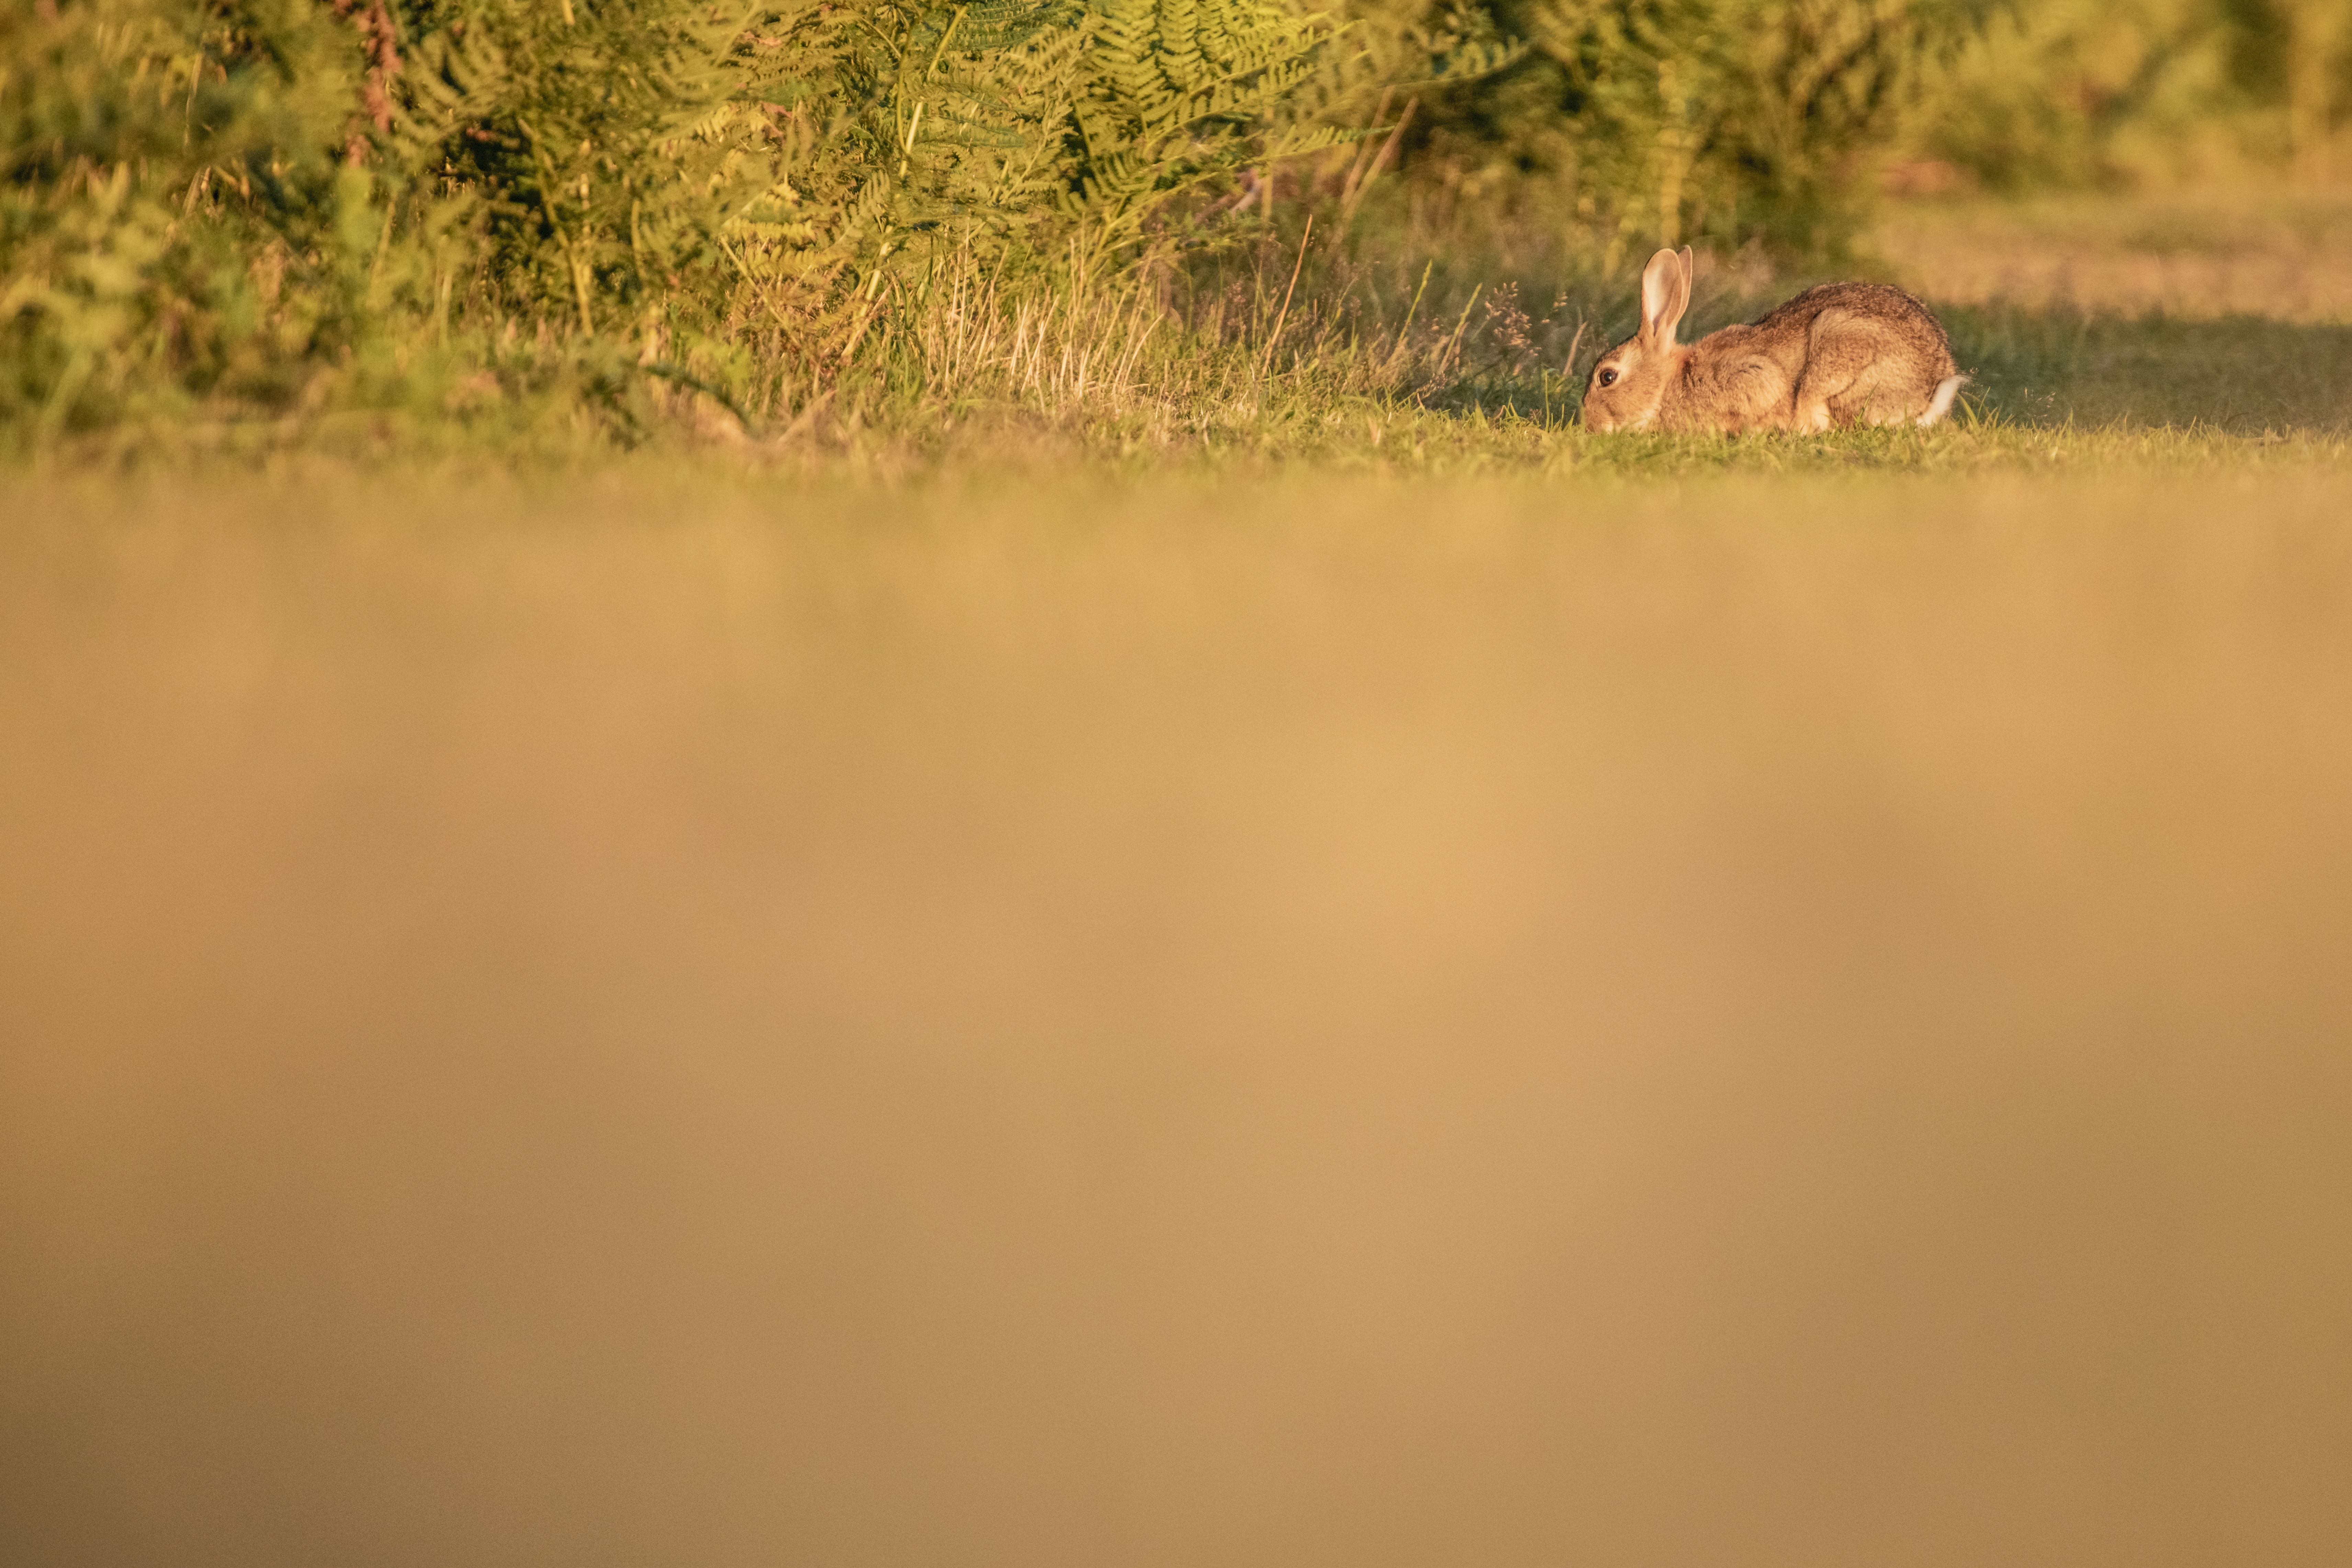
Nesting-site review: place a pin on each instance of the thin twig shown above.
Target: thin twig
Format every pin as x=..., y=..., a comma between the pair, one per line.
x=1454, y=344
x=1355, y=196
x=1284, y=315
x=1397, y=347
x=1364, y=152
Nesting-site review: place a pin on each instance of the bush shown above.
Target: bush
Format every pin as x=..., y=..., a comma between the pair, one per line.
x=274, y=201
x=570, y=214
x=173, y=220
x=1664, y=122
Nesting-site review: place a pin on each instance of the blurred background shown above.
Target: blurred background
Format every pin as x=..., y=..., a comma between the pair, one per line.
x=1731, y=123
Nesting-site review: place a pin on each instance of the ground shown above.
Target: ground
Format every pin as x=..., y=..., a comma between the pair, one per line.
x=857, y=1005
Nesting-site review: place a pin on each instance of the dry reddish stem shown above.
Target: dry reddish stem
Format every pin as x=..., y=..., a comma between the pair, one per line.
x=382, y=48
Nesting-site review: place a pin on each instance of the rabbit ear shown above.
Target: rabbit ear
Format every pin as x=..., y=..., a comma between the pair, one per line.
x=1666, y=294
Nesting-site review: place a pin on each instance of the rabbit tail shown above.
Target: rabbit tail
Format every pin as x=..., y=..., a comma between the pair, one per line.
x=1941, y=404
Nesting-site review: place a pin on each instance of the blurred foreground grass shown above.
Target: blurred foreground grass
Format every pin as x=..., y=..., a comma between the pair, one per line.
x=655, y=1015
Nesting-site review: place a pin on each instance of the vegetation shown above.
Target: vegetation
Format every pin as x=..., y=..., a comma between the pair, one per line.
x=257, y=202
x=867, y=783
x=418, y=223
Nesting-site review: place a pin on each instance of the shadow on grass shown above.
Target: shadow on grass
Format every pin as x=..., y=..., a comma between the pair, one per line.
x=2243, y=375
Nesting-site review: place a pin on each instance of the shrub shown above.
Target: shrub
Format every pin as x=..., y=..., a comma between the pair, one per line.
x=1662, y=122
x=250, y=199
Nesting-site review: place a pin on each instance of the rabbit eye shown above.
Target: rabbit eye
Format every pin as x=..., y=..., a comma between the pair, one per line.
x=1608, y=378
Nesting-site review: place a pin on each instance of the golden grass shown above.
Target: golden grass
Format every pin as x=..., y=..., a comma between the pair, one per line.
x=1401, y=353
x=650, y=1017
x=2195, y=253
x=1428, y=360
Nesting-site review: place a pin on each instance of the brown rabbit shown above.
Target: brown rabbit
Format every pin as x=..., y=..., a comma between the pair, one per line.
x=1842, y=354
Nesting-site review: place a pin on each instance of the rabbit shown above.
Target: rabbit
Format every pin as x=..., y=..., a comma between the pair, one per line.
x=1842, y=354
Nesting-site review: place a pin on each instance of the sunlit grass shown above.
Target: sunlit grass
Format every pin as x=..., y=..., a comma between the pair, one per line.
x=2263, y=249
x=1384, y=349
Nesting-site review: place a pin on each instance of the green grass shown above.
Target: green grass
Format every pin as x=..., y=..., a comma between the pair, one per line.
x=1395, y=345
x=1105, y=383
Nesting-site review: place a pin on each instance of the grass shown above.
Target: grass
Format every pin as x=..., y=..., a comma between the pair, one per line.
x=694, y=1015
x=2201, y=253
x=1165, y=941
x=1408, y=350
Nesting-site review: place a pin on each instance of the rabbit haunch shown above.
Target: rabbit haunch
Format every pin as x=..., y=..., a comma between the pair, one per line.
x=1842, y=354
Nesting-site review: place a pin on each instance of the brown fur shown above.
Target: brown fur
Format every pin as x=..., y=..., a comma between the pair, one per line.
x=1839, y=355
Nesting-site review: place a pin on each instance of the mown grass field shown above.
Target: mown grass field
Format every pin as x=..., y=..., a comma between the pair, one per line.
x=1363, y=981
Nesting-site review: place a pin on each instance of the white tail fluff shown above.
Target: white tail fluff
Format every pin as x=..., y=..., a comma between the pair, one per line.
x=1941, y=404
